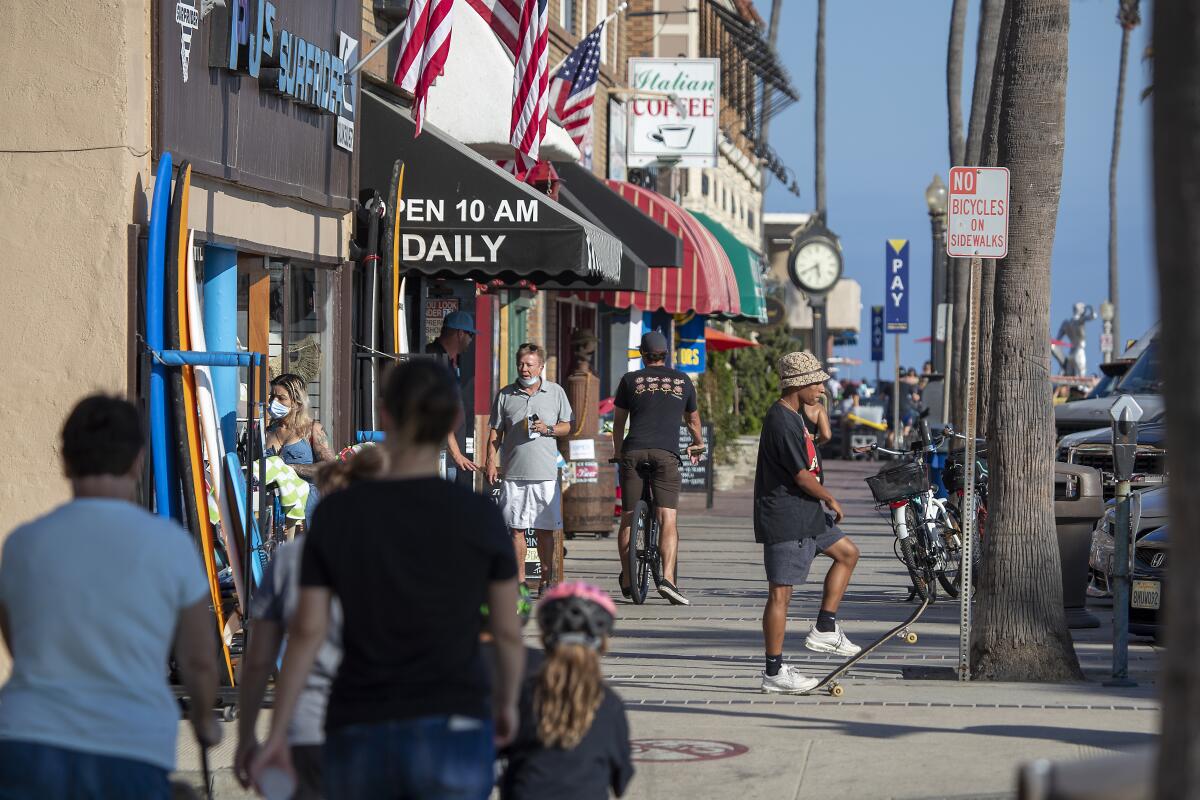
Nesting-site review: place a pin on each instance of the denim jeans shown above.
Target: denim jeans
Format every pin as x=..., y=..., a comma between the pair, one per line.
x=428, y=758
x=44, y=772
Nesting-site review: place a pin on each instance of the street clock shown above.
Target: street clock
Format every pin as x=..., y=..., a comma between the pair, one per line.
x=815, y=262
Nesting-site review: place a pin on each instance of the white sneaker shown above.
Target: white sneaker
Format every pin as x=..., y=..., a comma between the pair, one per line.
x=787, y=681
x=833, y=642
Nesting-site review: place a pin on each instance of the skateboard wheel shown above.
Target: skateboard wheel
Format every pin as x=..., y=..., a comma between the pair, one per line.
x=836, y=690
x=910, y=637
x=229, y=713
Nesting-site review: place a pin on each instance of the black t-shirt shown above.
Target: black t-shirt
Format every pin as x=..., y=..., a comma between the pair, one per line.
x=782, y=510
x=601, y=761
x=656, y=399
x=410, y=561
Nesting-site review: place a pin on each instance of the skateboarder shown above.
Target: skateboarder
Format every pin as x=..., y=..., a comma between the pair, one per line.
x=792, y=526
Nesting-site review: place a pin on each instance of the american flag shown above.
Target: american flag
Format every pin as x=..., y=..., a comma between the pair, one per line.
x=573, y=87
x=521, y=26
x=423, y=50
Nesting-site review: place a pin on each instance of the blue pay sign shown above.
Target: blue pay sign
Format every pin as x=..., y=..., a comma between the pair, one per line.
x=896, y=318
x=877, y=333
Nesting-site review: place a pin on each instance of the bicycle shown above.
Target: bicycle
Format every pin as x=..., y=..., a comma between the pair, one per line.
x=927, y=529
x=643, y=557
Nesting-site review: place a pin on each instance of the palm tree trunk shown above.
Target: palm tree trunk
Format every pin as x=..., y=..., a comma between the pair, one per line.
x=1021, y=632
x=956, y=285
x=1176, y=151
x=819, y=112
x=1128, y=17
x=991, y=14
x=987, y=156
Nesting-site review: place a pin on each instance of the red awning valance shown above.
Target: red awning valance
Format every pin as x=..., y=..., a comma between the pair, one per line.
x=705, y=283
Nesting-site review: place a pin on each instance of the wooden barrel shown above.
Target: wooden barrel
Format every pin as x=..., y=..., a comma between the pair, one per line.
x=591, y=491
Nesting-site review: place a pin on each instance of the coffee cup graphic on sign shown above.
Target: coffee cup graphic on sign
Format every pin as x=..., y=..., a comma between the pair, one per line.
x=676, y=136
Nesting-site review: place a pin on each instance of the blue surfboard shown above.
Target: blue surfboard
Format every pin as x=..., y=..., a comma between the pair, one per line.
x=235, y=485
x=162, y=454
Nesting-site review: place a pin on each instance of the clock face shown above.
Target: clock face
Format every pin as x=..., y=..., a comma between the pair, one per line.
x=816, y=266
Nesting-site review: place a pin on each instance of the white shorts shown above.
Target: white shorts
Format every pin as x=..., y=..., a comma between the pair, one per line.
x=532, y=504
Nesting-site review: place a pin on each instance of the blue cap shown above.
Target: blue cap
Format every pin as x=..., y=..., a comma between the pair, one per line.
x=458, y=321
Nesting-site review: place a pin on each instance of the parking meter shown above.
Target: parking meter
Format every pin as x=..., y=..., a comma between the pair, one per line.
x=1125, y=413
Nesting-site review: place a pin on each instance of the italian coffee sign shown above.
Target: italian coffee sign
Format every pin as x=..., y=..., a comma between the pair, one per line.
x=672, y=118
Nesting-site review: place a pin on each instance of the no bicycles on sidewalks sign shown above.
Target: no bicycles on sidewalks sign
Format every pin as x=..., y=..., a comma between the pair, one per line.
x=977, y=225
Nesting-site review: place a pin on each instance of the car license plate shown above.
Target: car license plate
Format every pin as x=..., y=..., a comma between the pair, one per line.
x=1146, y=594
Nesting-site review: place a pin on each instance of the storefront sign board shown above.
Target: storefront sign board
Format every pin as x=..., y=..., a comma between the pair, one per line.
x=435, y=310
x=675, y=119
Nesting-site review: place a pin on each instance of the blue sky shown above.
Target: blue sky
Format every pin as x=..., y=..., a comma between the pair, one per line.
x=886, y=135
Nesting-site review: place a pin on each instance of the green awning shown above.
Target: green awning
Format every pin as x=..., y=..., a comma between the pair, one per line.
x=747, y=267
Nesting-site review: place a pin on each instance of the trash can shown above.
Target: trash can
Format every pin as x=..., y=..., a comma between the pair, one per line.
x=1078, y=503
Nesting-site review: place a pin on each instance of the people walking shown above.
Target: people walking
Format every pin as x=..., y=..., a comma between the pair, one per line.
x=411, y=558
x=792, y=526
x=94, y=596
x=573, y=739
x=654, y=400
x=458, y=331
x=295, y=436
x=273, y=608
x=526, y=417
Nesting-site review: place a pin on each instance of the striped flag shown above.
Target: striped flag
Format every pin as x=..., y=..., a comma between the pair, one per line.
x=573, y=87
x=521, y=26
x=423, y=50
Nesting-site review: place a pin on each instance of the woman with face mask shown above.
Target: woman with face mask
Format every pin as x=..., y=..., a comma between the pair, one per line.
x=296, y=437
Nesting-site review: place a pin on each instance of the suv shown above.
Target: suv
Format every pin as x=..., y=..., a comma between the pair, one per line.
x=1143, y=380
x=1094, y=449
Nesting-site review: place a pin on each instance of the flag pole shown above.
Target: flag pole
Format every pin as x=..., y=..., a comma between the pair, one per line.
x=620, y=10
x=362, y=62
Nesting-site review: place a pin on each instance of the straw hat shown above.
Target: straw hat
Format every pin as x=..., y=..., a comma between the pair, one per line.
x=800, y=369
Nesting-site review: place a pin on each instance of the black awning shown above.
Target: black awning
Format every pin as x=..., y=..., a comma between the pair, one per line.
x=464, y=217
x=635, y=273
x=653, y=244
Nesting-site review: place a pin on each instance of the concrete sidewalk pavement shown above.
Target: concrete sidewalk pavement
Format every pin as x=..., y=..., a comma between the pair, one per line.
x=904, y=728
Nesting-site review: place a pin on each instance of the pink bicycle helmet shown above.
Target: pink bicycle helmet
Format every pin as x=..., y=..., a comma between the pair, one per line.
x=576, y=613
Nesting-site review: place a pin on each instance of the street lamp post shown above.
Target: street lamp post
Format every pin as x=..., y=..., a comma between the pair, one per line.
x=935, y=199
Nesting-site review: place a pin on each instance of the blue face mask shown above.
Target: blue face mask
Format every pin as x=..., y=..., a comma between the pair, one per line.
x=278, y=410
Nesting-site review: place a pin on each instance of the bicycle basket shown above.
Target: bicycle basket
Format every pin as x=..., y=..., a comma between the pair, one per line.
x=899, y=481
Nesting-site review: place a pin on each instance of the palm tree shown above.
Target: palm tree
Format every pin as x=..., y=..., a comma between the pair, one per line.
x=1128, y=16
x=819, y=113
x=1021, y=630
x=1176, y=150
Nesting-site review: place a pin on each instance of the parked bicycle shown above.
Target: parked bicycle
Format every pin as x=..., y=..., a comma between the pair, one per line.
x=644, y=559
x=928, y=529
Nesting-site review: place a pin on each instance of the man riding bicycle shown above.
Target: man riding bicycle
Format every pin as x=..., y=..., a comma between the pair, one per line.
x=653, y=400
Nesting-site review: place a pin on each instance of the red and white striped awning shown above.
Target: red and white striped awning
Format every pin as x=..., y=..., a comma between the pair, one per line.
x=705, y=283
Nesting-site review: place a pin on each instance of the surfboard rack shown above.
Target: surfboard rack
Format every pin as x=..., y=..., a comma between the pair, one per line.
x=256, y=402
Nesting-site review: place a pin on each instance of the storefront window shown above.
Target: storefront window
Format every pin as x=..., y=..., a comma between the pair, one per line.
x=300, y=337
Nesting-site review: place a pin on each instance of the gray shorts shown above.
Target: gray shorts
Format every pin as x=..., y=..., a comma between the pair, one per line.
x=788, y=563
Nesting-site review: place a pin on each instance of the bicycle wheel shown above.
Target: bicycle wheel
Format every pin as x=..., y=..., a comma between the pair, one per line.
x=915, y=557
x=637, y=564
x=951, y=577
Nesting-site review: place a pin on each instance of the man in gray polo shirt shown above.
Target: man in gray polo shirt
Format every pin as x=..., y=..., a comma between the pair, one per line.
x=526, y=416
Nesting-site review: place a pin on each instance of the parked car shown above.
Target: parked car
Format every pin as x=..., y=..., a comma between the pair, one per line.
x=1143, y=380
x=1148, y=584
x=1094, y=449
x=1149, y=511
x=1110, y=376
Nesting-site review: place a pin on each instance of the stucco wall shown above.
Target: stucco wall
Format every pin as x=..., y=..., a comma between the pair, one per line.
x=72, y=76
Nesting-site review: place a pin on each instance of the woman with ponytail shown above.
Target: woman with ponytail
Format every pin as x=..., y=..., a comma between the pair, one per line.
x=574, y=738
x=411, y=558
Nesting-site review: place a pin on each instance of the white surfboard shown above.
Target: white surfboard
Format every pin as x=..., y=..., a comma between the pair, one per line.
x=210, y=424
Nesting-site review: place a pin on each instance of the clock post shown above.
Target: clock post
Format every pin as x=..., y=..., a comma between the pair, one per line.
x=815, y=266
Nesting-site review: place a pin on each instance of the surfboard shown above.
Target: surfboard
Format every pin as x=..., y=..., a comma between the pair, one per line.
x=390, y=249
x=162, y=453
x=237, y=501
x=210, y=424
x=187, y=423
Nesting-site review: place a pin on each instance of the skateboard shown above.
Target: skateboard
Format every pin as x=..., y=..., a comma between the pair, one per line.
x=901, y=631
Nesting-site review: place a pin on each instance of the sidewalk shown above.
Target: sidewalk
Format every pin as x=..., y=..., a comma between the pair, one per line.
x=904, y=728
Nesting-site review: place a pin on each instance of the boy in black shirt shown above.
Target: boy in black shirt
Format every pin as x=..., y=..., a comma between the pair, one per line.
x=792, y=526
